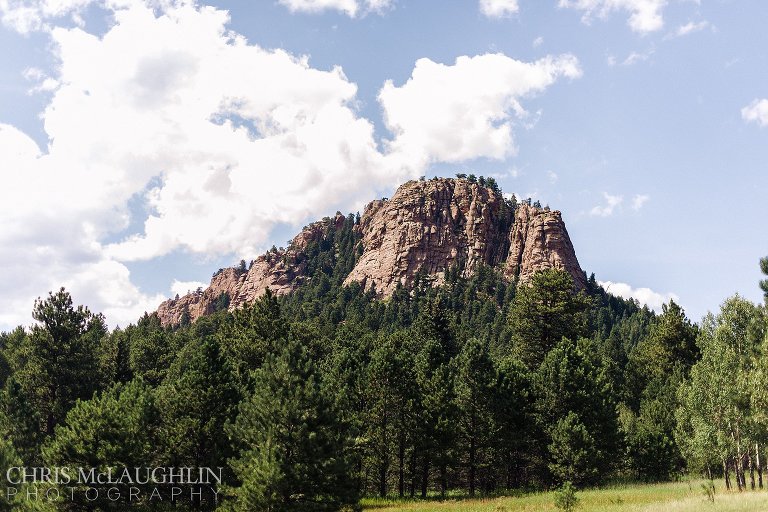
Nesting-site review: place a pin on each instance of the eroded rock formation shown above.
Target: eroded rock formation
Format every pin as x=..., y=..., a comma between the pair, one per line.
x=539, y=241
x=426, y=227
x=280, y=270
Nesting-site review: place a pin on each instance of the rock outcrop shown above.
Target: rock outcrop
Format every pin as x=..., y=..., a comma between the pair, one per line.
x=539, y=241
x=280, y=270
x=427, y=227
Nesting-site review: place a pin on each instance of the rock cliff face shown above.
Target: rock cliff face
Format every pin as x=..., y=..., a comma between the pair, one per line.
x=426, y=227
x=539, y=241
x=279, y=270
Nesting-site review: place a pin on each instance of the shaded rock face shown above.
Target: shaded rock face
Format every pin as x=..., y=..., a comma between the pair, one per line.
x=425, y=228
x=540, y=241
x=428, y=226
x=279, y=270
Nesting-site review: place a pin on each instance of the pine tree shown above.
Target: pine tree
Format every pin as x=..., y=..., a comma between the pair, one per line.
x=20, y=423
x=573, y=380
x=514, y=438
x=294, y=450
x=252, y=334
x=436, y=410
x=151, y=349
x=61, y=349
x=114, y=429
x=575, y=455
x=764, y=282
x=474, y=396
x=543, y=313
x=198, y=397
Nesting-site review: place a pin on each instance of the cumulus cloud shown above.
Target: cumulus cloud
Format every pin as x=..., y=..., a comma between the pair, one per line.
x=220, y=140
x=644, y=296
x=538, y=42
x=498, y=8
x=184, y=287
x=466, y=110
x=351, y=8
x=232, y=137
x=607, y=209
x=25, y=16
x=756, y=112
x=644, y=15
x=639, y=200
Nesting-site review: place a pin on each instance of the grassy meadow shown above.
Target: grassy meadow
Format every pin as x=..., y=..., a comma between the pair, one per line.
x=684, y=496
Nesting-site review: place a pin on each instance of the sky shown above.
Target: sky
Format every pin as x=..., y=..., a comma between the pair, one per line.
x=146, y=143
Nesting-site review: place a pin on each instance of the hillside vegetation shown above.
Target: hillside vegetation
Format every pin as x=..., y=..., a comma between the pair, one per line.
x=319, y=398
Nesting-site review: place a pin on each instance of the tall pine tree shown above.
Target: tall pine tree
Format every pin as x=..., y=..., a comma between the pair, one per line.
x=294, y=450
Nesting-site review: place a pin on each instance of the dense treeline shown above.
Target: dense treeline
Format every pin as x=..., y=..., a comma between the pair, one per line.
x=310, y=401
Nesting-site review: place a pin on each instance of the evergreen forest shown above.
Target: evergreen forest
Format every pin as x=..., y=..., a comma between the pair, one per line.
x=313, y=400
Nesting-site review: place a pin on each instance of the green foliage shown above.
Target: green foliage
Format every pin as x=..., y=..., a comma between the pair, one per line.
x=293, y=448
x=58, y=357
x=574, y=453
x=764, y=282
x=544, y=312
x=116, y=428
x=575, y=392
x=716, y=422
x=196, y=400
x=20, y=423
x=565, y=498
x=151, y=349
x=252, y=333
x=471, y=385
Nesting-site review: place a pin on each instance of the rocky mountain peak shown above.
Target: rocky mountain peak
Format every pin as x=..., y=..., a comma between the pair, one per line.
x=425, y=228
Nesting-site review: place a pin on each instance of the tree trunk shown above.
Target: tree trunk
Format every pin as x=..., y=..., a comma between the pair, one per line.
x=359, y=475
x=443, y=479
x=759, y=467
x=751, y=471
x=425, y=476
x=472, y=462
x=726, y=475
x=383, y=480
x=401, y=464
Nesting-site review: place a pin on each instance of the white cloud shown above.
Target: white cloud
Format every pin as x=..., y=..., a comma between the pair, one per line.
x=351, y=8
x=234, y=138
x=498, y=8
x=221, y=139
x=538, y=42
x=690, y=28
x=645, y=15
x=756, y=112
x=639, y=200
x=26, y=16
x=635, y=57
x=606, y=210
x=184, y=287
x=466, y=110
x=552, y=177
x=644, y=296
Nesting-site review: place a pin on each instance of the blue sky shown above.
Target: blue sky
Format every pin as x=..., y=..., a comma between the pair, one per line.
x=147, y=143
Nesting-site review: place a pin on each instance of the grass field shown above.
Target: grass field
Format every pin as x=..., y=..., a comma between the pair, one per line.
x=685, y=496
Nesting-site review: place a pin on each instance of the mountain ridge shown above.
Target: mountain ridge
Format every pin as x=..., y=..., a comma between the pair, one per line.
x=427, y=227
